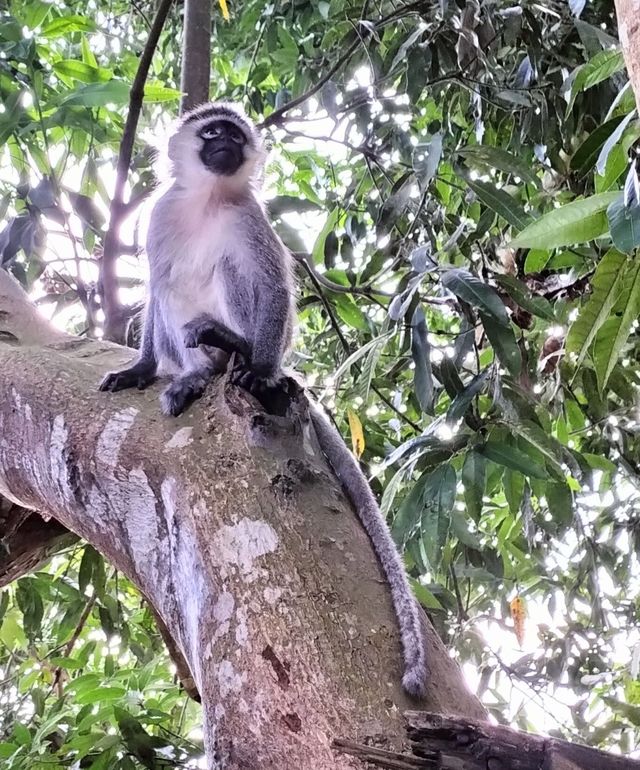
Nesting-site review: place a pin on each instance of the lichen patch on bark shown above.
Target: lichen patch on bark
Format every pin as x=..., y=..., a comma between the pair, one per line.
x=113, y=435
x=241, y=545
x=180, y=439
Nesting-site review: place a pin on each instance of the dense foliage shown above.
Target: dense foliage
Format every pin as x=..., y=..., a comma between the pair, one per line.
x=466, y=221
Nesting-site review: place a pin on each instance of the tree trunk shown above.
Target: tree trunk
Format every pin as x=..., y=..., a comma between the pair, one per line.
x=230, y=523
x=628, y=14
x=196, y=54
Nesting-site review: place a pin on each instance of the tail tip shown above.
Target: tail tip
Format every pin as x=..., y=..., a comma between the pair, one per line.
x=414, y=681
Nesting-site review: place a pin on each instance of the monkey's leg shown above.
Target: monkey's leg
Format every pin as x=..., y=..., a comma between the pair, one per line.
x=140, y=376
x=205, y=330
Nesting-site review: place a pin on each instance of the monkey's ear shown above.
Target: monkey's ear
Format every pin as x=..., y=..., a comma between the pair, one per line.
x=172, y=147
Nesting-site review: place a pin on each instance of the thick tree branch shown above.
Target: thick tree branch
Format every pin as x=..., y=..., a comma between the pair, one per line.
x=449, y=743
x=628, y=15
x=196, y=54
x=108, y=277
x=231, y=524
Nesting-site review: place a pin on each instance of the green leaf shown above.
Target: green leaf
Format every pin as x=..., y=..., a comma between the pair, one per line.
x=329, y=226
x=513, y=482
x=100, y=695
x=438, y=499
x=358, y=354
x=114, y=92
x=536, y=260
x=350, y=313
x=159, y=93
x=474, y=479
x=519, y=292
x=426, y=158
x=477, y=293
x=85, y=73
x=614, y=333
x=601, y=67
x=495, y=157
x=504, y=343
x=89, y=558
x=606, y=286
x=560, y=502
x=576, y=222
x=511, y=457
x=624, y=224
x=501, y=202
x=420, y=350
x=584, y=158
x=545, y=444
x=65, y=24
x=409, y=513
x=462, y=401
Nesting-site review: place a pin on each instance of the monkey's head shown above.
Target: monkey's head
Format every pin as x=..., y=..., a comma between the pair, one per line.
x=216, y=141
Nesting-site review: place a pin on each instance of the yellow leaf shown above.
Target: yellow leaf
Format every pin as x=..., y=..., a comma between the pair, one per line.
x=518, y=615
x=357, y=436
x=225, y=10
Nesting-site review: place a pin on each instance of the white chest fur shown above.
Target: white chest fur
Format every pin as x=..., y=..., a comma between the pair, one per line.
x=202, y=238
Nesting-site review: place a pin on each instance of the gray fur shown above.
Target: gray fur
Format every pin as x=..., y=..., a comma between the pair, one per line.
x=219, y=275
x=407, y=611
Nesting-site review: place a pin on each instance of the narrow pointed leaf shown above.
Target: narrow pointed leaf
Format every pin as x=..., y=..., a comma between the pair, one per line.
x=624, y=223
x=501, y=202
x=420, y=350
x=576, y=222
x=614, y=333
x=477, y=293
x=606, y=284
x=504, y=343
x=514, y=458
x=438, y=499
x=463, y=400
x=474, y=479
x=495, y=157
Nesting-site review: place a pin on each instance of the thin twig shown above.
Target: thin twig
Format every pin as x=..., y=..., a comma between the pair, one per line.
x=277, y=116
x=108, y=277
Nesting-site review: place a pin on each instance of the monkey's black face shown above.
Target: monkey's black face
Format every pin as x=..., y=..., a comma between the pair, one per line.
x=223, y=148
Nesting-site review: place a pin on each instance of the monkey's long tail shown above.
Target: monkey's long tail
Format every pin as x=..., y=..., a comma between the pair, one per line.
x=405, y=605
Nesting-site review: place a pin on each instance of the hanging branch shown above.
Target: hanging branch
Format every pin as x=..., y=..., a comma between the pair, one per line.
x=108, y=279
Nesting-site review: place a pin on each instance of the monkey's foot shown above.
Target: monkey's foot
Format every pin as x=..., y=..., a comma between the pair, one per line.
x=182, y=392
x=259, y=385
x=135, y=377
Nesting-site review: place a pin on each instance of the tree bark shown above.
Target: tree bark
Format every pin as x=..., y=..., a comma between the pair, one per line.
x=196, y=54
x=449, y=743
x=628, y=14
x=231, y=524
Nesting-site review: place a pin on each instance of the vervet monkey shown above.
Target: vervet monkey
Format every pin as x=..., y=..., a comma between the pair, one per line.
x=221, y=282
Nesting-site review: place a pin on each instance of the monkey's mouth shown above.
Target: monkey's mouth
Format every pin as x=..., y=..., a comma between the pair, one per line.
x=222, y=160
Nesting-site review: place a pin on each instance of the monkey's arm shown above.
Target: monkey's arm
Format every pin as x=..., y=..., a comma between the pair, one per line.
x=142, y=373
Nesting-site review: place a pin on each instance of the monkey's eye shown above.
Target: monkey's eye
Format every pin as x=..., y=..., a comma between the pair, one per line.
x=236, y=136
x=215, y=132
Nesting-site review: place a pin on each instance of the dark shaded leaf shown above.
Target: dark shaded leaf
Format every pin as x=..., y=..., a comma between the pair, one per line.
x=478, y=294
x=504, y=343
x=420, y=351
x=463, y=400
x=501, y=202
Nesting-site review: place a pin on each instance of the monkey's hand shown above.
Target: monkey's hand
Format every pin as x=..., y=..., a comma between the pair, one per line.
x=140, y=376
x=205, y=330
